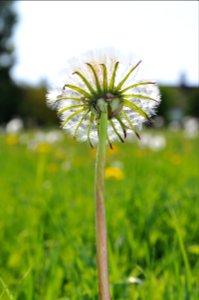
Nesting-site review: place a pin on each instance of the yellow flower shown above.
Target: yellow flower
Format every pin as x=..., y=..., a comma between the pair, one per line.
x=43, y=148
x=114, y=173
x=52, y=168
x=11, y=139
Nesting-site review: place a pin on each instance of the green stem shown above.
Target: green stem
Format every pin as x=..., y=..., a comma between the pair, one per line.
x=101, y=239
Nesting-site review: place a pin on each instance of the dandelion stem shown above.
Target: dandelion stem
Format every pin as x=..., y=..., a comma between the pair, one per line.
x=101, y=238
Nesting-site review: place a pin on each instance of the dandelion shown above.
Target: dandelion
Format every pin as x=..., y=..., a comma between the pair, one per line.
x=101, y=99
x=114, y=173
x=103, y=82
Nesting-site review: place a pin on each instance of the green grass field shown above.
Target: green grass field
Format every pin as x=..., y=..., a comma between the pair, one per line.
x=47, y=220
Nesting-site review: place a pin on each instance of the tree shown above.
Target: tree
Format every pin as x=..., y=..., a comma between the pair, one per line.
x=9, y=92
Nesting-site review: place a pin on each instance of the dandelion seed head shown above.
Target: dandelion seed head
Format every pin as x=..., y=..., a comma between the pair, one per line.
x=99, y=80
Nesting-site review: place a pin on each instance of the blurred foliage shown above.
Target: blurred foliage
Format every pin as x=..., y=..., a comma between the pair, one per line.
x=9, y=92
x=185, y=99
x=193, y=105
x=7, y=21
x=33, y=109
x=25, y=102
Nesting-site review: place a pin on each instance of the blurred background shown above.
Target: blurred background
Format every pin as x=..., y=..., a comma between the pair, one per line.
x=37, y=39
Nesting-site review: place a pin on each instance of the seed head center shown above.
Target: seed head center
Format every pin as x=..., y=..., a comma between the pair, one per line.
x=110, y=103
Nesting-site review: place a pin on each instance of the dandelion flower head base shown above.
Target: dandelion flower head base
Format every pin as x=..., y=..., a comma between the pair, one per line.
x=104, y=84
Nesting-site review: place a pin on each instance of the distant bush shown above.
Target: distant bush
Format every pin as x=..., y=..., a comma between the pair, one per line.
x=184, y=99
x=33, y=107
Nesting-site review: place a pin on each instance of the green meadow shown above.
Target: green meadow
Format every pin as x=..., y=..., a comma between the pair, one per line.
x=47, y=219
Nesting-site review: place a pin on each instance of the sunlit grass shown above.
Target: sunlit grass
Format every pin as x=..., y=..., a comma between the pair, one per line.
x=47, y=232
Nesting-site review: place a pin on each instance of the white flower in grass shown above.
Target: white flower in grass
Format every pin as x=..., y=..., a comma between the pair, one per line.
x=191, y=127
x=99, y=80
x=154, y=142
x=14, y=126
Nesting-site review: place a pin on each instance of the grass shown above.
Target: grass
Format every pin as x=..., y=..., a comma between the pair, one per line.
x=47, y=233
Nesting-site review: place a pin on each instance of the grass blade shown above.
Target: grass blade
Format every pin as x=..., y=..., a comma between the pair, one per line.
x=182, y=247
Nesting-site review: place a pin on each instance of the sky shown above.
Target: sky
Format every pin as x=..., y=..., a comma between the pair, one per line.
x=164, y=34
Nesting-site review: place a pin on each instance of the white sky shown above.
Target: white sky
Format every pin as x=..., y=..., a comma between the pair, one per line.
x=164, y=34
